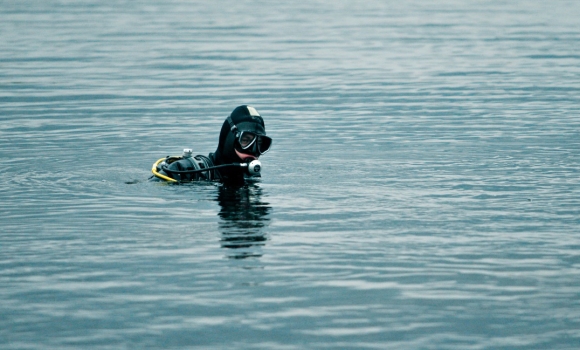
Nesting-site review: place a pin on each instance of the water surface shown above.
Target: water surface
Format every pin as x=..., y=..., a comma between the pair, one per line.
x=422, y=191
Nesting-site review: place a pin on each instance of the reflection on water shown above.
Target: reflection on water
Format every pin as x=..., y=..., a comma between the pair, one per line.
x=244, y=217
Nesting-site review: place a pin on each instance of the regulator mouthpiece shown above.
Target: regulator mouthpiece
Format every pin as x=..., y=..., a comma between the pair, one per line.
x=254, y=167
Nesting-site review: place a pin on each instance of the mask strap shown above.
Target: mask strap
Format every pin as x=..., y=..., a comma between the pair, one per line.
x=233, y=126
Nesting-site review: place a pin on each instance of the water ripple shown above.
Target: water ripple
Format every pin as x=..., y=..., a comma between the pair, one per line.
x=422, y=190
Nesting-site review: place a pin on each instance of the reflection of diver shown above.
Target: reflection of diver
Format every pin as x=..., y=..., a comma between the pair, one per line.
x=244, y=217
x=242, y=141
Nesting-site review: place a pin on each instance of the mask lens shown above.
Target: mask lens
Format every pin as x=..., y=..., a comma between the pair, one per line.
x=264, y=143
x=246, y=139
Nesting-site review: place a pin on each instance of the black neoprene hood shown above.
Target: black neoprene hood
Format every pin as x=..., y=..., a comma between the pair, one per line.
x=245, y=118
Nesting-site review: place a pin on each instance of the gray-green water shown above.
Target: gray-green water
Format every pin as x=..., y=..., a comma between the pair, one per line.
x=422, y=191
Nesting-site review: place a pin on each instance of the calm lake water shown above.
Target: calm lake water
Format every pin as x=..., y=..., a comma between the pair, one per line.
x=423, y=190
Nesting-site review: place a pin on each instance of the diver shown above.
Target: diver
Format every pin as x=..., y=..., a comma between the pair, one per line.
x=242, y=141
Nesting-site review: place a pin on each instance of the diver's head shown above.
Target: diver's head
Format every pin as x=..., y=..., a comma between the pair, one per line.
x=243, y=137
